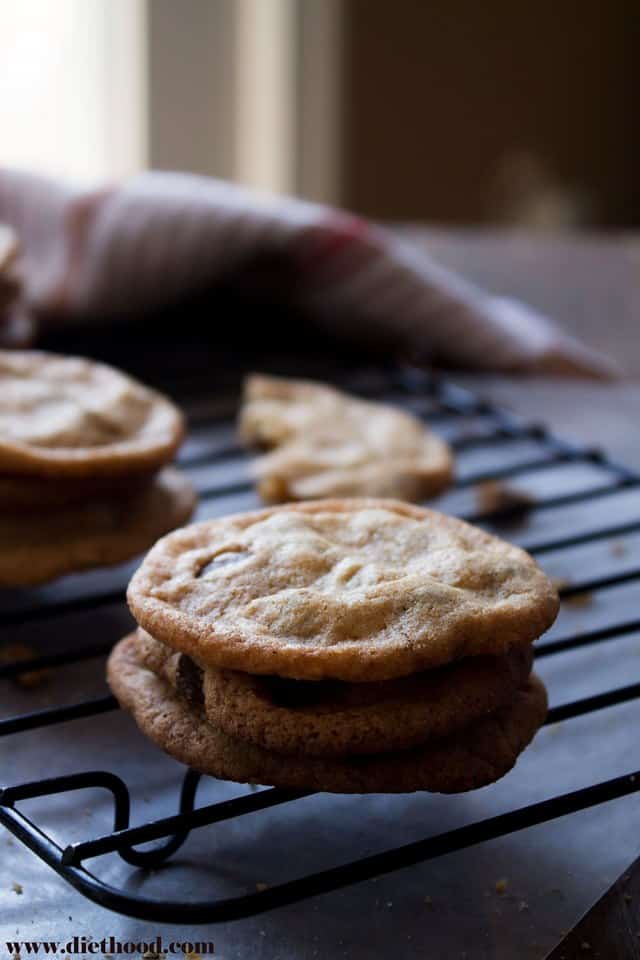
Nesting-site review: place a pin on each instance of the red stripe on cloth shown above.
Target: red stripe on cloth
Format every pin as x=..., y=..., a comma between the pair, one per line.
x=334, y=248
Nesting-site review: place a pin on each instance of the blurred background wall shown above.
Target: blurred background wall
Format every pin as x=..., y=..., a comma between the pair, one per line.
x=447, y=111
x=494, y=111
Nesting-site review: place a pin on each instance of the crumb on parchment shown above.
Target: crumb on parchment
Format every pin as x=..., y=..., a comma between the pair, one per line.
x=494, y=496
x=14, y=652
x=618, y=548
x=583, y=599
x=17, y=888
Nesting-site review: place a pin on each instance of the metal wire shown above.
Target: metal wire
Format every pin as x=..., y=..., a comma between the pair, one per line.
x=438, y=402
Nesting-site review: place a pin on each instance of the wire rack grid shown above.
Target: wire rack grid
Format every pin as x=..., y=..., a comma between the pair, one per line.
x=477, y=430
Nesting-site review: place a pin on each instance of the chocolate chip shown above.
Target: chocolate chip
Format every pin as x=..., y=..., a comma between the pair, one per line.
x=189, y=680
x=300, y=693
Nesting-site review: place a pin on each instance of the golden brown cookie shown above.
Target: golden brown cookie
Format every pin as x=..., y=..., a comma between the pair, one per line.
x=67, y=416
x=356, y=590
x=38, y=546
x=30, y=492
x=479, y=755
x=333, y=718
x=330, y=444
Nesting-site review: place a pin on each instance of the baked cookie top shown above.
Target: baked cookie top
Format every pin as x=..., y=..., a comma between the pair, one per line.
x=67, y=416
x=328, y=443
x=357, y=590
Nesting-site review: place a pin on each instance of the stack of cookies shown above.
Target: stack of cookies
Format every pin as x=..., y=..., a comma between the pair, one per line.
x=342, y=645
x=83, y=480
x=322, y=442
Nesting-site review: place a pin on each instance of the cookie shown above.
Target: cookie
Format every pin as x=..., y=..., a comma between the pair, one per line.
x=329, y=444
x=355, y=590
x=39, y=546
x=477, y=756
x=71, y=417
x=333, y=718
x=37, y=493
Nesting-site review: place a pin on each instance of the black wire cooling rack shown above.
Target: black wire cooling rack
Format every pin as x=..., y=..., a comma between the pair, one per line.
x=450, y=409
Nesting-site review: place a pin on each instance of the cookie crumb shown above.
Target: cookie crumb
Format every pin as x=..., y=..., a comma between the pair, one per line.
x=583, y=599
x=17, y=888
x=502, y=886
x=493, y=496
x=522, y=906
x=262, y=886
x=618, y=548
x=29, y=679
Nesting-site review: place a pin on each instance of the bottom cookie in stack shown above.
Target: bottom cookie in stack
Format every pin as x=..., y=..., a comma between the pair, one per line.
x=447, y=730
x=43, y=542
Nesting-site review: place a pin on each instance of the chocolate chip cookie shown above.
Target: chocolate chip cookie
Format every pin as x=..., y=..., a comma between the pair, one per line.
x=332, y=718
x=354, y=590
x=83, y=480
x=325, y=443
x=70, y=417
x=479, y=754
x=342, y=645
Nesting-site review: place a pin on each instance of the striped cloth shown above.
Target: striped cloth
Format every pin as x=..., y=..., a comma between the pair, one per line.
x=124, y=250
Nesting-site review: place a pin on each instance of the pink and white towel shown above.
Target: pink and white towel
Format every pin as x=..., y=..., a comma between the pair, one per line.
x=124, y=250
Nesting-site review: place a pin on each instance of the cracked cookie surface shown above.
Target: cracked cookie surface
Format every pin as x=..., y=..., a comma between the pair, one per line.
x=329, y=444
x=356, y=590
x=72, y=417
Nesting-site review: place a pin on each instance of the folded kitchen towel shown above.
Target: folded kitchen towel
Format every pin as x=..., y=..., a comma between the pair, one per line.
x=128, y=249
